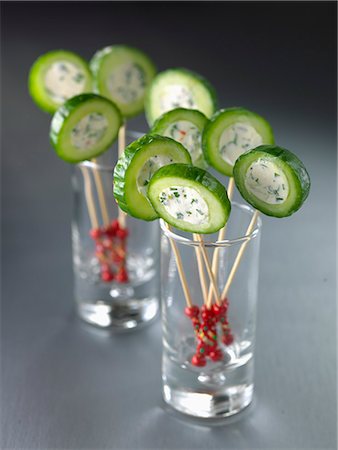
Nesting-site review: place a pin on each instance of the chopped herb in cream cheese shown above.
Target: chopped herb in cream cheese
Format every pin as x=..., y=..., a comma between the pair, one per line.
x=176, y=96
x=64, y=80
x=237, y=139
x=188, y=135
x=149, y=168
x=185, y=203
x=266, y=181
x=89, y=131
x=127, y=83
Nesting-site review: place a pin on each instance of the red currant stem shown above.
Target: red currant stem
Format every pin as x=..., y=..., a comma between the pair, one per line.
x=240, y=254
x=221, y=237
x=100, y=194
x=89, y=198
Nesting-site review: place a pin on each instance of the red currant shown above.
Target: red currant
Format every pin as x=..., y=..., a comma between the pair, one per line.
x=198, y=360
x=122, y=233
x=192, y=311
x=228, y=339
x=107, y=276
x=107, y=243
x=95, y=233
x=216, y=355
x=112, y=228
x=118, y=258
x=122, y=276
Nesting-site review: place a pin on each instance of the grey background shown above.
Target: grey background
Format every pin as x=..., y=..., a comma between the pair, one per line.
x=67, y=385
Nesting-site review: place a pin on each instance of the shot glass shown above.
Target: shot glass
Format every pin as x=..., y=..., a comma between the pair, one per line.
x=115, y=257
x=208, y=351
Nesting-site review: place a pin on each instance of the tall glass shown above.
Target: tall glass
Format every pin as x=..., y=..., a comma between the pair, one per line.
x=208, y=359
x=116, y=273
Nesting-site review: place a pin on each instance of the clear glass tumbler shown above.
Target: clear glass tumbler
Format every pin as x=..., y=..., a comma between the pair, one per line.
x=207, y=366
x=115, y=273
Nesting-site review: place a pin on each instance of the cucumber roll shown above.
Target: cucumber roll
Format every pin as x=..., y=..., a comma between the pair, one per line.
x=84, y=127
x=123, y=74
x=136, y=167
x=272, y=179
x=57, y=76
x=185, y=126
x=189, y=198
x=231, y=132
x=176, y=88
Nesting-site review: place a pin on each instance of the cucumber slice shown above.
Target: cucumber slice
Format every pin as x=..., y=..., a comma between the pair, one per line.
x=189, y=198
x=57, y=76
x=135, y=168
x=175, y=88
x=84, y=127
x=272, y=179
x=122, y=74
x=185, y=126
x=232, y=132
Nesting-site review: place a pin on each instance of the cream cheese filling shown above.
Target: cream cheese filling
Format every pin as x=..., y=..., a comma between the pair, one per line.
x=188, y=135
x=237, y=139
x=89, y=131
x=148, y=169
x=266, y=181
x=176, y=96
x=127, y=83
x=186, y=204
x=64, y=80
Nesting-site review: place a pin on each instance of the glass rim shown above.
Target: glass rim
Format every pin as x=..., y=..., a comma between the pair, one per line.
x=109, y=167
x=223, y=243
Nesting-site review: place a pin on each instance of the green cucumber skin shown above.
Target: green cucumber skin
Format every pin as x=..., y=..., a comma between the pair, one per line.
x=121, y=170
x=191, y=115
x=229, y=113
x=300, y=176
x=60, y=117
x=98, y=58
x=34, y=85
x=186, y=72
x=195, y=174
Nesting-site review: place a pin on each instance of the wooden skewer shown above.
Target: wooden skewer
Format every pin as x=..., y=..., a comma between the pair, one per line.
x=240, y=254
x=101, y=196
x=89, y=198
x=201, y=271
x=121, y=146
x=180, y=270
x=208, y=267
x=221, y=236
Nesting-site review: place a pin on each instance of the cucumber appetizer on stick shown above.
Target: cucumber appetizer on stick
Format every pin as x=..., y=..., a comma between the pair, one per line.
x=189, y=198
x=185, y=126
x=179, y=88
x=57, y=76
x=231, y=132
x=136, y=167
x=84, y=127
x=272, y=179
x=122, y=74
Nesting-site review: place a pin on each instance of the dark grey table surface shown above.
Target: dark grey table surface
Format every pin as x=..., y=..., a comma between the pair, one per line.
x=68, y=385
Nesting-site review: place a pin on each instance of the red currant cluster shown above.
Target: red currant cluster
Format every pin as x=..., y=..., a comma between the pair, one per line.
x=205, y=321
x=110, y=250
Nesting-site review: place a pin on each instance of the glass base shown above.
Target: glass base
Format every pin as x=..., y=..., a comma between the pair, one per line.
x=124, y=314
x=217, y=390
x=223, y=403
